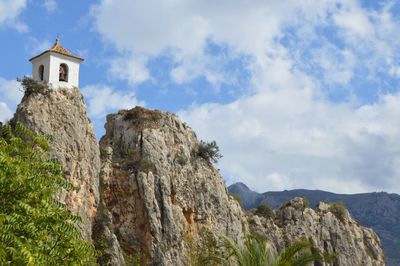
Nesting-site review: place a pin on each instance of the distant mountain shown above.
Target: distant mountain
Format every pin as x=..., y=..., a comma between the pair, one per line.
x=379, y=211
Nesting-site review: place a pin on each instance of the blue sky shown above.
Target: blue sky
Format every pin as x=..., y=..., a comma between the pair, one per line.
x=298, y=94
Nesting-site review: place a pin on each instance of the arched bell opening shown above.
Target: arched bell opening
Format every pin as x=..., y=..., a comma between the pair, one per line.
x=41, y=72
x=63, y=73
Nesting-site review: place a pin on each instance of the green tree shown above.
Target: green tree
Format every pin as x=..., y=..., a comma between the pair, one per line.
x=209, y=151
x=35, y=229
x=257, y=252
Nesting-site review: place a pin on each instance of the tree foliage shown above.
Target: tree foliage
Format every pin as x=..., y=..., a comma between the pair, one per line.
x=209, y=151
x=257, y=252
x=35, y=229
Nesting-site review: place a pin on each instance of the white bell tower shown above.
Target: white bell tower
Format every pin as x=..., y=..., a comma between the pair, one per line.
x=56, y=67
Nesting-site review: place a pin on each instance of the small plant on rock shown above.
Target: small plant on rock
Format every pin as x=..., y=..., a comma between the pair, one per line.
x=237, y=198
x=306, y=203
x=209, y=151
x=264, y=210
x=31, y=86
x=339, y=210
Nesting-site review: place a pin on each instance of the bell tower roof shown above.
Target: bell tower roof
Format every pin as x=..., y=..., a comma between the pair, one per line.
x=58, y=49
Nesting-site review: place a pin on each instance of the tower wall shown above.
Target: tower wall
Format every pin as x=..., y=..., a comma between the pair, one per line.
x=36, y=63
x=51, y=62
x=73, y=71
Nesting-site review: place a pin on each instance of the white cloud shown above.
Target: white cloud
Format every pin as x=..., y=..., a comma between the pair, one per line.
x=10, y=95
x=373, y=35
x=354, y=20
x=128, y=68
x=395, y=71
x=5, y=112
x=10, y=91
x=50, y=5
x=337, y=65
x=305, y=142
x=102, y=100
x=9, y=11
x=182, y=29
x=276, y=180
x=34, y=46
x=284, y=132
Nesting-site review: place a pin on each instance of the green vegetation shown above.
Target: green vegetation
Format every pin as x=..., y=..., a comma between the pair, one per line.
x=264, y=210
x=306, y=203
x=256, y=252
x=237, y=198
x=35, y=229
x=142, y=118
x=201, y=248
x=31, y=86
x=339, y=210
x=133, y=259
x=209, y=151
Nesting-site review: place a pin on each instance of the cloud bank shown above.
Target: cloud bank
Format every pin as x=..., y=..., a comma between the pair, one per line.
x=320, y=108
x=102, y=100
x=9, y=11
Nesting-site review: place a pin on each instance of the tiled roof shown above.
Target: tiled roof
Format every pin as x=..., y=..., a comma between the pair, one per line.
x=57, y=48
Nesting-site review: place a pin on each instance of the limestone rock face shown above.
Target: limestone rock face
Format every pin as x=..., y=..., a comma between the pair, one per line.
x=149, y=197
x=329, y=231
x=167, y=204
x=62, y=114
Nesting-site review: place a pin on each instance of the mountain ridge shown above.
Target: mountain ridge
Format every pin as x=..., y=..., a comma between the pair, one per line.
x=377, y=210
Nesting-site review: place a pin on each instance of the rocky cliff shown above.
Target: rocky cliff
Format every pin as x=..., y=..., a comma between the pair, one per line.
x=330, y=228
x=167, y=204
x=379, y=211
x=149, y=197
x=62, y=114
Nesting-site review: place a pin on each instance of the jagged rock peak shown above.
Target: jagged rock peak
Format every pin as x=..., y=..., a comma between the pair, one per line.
x=166, y=202
x=149, y=196
x=62, y=114
x=329, y=227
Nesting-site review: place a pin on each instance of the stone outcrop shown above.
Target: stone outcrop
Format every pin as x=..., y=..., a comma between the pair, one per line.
x=167, y=204
x=330, y=230
x=146, y=195
x=62, y=114
x=379, y=211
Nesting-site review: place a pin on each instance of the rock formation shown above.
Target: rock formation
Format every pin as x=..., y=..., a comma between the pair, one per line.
x=330, y=230
x=149, y=196
x=379, y=211
x=165, y=201
x=62, y=114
